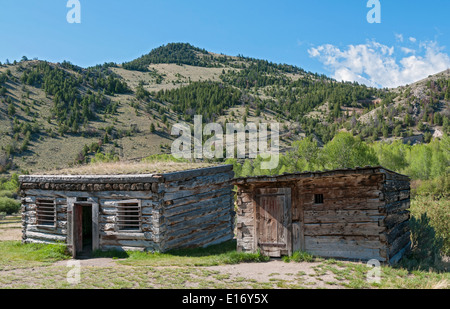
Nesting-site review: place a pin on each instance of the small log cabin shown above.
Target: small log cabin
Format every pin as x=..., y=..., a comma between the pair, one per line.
x=354, y=214
x=149, y=212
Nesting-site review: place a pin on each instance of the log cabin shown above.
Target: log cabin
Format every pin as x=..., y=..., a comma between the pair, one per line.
x=354, y=214
x=148, y=212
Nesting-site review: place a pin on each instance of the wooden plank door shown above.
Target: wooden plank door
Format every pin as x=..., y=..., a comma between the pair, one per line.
x=77, y=229
x=273, y=221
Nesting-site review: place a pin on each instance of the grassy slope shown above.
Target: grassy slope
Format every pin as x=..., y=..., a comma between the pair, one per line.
x=49, y=153
x=59, y=152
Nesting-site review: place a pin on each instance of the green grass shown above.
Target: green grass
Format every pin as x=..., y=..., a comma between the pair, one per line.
x=221, y=254
x=14, y=254
x=299, y=256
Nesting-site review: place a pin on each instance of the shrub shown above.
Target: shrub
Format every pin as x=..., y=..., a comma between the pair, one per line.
x=9, y=206
x=426, y=245
x=436, y=187
x=8, y=193
x=430, y=224
x=11, y=185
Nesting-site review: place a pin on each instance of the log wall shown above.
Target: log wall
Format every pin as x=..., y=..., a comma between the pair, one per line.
x=364, y=214
x=183, y=209
x=198, y=208
x=396, y=235
x=346, y=225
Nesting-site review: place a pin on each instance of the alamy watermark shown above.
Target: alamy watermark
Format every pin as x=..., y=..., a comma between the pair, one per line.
x=374, y=15
x=74, y=274
x=231, y=145
x=74, y=14
x=374, y=274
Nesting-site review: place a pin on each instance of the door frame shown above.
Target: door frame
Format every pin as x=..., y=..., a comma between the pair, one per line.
x=287, y=215
x=72, y=222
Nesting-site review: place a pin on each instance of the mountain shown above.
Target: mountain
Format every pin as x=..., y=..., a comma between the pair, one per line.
x=53, y=115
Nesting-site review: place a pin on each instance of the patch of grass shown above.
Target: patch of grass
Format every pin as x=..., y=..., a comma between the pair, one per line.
x=220, y=254
x=14, y=254
x=299, y=256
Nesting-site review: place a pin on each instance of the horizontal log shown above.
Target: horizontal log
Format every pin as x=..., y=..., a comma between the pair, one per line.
x=360, y=255
x=343, y=229
x=309, y=175
x=112, y=203
x=335, y=193
x=88, y=179
x=45, y=229
x=397, y=185
x=40, y=241
x=343, y=242
x=393, y=219
x=139, y=243
x=125, y=236
x=174, y=213
x=198, y=182
x=45, y=236
x=354, y=182
x=357, y=248
x=101, y=194
x=399, y=229
x=210, y=225
x=395, y=196
x=170, y=196
x=200, y=238
x=175, y=176
x=390, y=175
x=396, y=207
x=195, y=221
x=198, y=197
x=347, y=204
x=343, y=216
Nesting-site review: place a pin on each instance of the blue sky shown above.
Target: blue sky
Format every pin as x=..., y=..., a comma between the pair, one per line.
x=325, y=36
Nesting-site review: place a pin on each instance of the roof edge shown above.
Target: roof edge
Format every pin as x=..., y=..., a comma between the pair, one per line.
x=290, y=176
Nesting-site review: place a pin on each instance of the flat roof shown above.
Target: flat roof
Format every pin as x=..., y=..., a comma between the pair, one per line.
x=294, y=176
x=116, y=175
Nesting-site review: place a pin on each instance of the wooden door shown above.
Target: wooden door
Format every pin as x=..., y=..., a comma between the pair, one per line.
x=273, y=221
x=77, y=229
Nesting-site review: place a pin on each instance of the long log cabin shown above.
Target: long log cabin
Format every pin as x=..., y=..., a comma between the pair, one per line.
x=355, y=214
x=147, y=212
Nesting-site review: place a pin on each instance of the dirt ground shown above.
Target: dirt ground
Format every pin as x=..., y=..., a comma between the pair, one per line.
x=11, y=230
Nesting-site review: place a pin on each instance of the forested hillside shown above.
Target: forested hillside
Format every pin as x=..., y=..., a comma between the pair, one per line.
x=57, y=115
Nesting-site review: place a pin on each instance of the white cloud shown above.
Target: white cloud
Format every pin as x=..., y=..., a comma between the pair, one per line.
x=378, y=65
x=408, y=50
x=411, y=39
x=399, y=37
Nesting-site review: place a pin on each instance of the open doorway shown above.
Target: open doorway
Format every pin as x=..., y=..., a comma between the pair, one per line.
x=83, y=224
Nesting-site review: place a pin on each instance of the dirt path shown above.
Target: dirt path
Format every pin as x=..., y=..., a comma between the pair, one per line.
x=272, y=271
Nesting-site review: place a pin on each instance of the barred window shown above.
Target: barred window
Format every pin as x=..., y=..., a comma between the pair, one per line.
x=46, y=212
x=129, y=216
x=318, y=198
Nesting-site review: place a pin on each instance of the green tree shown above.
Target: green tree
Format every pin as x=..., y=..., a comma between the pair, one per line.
x=247, y=169
x=11, y=110
x=392, y=156
x=306, y=155
x=346, y=151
